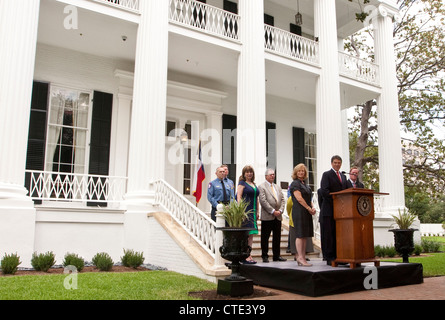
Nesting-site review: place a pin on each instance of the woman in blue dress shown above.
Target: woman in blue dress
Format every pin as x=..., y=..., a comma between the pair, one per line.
x=248, y=191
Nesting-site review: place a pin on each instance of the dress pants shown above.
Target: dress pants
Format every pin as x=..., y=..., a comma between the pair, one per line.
x=267, y=227
x=328, y=238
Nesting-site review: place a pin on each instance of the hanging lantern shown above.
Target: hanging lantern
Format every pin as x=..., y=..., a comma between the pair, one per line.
x=298, y=16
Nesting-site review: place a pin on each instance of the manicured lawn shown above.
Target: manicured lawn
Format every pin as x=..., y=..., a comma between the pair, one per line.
x=433, y=263
x=150, y=285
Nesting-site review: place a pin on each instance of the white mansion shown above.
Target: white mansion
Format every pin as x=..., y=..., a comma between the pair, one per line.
x=103, y=104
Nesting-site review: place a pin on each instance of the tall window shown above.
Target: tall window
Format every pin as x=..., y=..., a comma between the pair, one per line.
x=310, y=145
x=187, y=161
x=67, y=130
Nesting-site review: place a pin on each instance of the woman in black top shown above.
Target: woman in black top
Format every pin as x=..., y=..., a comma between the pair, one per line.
x=302, y=211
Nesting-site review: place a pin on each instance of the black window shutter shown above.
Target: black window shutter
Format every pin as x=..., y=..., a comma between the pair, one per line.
x=298, y=145
x=35, y=155
x=268, y=19
x=230, y=6
x=229, y=144
x=295, y=29
x=271, y=146
x=100, y=136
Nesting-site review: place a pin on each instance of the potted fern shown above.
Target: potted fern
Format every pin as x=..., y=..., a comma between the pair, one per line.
x=404, y=235
x=235, y=246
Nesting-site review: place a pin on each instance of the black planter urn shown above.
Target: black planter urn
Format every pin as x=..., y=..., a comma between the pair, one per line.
x=235, y=248
x=404, y=242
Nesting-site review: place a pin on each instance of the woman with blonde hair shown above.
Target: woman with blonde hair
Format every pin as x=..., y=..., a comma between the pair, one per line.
x=248, y=191
x=302, y=211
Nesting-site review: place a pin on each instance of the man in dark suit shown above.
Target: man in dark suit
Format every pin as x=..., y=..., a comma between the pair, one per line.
x=353, y=181
x=332, y=181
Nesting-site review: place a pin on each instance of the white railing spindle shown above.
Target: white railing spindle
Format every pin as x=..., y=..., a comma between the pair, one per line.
x=205, y=18
x=72, y=187
x=359, y=69
x=195, y=222
x=291, y=45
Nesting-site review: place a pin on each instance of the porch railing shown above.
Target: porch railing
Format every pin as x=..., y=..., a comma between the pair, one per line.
x=195, y=222
x=291, y=45
x=71, y=187
x=359, y=69
x=130, y=5
x=205, y=18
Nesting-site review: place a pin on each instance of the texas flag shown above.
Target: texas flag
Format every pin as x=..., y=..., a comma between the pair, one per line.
x=198, y=177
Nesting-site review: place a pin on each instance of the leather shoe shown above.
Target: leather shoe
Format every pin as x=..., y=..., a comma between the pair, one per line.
x=280, y=259
x=265, y=259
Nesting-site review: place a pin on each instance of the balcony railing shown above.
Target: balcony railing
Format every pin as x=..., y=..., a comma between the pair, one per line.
x=358, y=69
x=291, y=45
x=130, y=5
x=205, y=18
x=71, y=187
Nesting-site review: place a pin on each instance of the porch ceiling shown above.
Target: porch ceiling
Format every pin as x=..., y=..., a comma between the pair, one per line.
x=97, y=34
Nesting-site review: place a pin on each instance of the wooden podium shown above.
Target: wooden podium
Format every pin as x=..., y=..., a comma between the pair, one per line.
x=354, y=216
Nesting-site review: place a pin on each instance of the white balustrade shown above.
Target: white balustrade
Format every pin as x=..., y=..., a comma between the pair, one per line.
x=71, y=187
x=195, y=222
x=205, y=18
x=291, y=45
x=130, y=5
x=359, y=69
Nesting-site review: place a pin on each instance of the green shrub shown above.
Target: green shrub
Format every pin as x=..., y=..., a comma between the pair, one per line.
x=378, y=251
x=72, y=259
x=103, y=261
x=132, y=259
x=390, y=251
x=384, y=251
x=44, y=261
x=430, y=246
x=417, y=249
x=10, y=263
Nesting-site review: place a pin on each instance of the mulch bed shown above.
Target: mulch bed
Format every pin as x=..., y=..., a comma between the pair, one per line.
x=60, y=271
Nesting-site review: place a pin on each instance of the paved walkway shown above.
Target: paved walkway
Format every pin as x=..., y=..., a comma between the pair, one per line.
x=430, y=289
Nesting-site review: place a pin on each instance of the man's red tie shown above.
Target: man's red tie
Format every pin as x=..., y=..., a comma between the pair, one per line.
x=338, y=175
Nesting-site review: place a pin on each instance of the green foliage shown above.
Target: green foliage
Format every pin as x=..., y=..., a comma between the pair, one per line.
x=430, y=245
x=420, y=50
x=385, y=251
x=132, y=259
x=44, y=261
x=103, y=261
x=361, y=16
x=235, y=213
x=72, y=259
x=404, y=220
x=417, y=249
x=10, y=263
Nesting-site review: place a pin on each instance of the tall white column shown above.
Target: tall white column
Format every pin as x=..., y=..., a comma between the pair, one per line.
x=147, y=137
x=18, y=38
x=328, y=107
x=147, y=133
x=251, y=114
x=390, y=149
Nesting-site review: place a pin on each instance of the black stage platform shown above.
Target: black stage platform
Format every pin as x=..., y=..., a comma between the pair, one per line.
x=321, y=279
